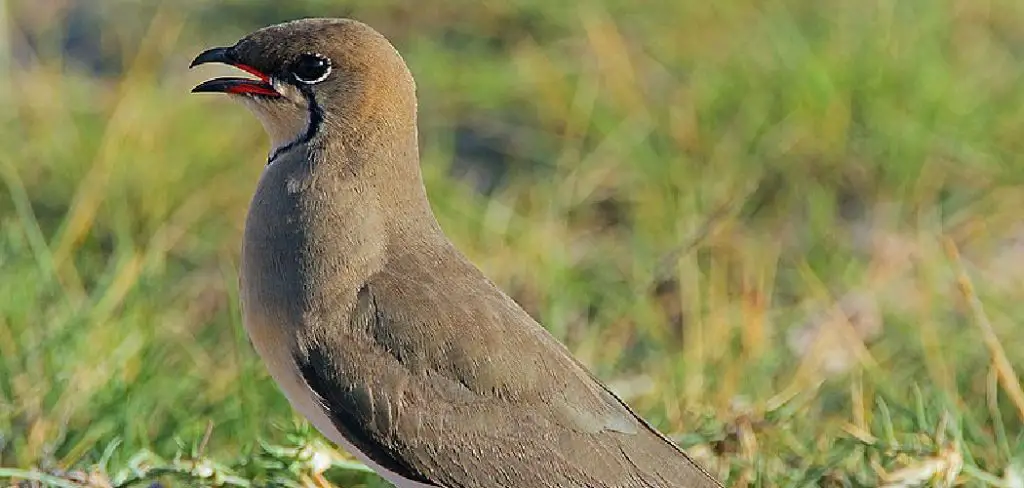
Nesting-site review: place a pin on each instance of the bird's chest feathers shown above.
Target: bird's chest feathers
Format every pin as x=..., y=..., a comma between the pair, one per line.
x=310, y=241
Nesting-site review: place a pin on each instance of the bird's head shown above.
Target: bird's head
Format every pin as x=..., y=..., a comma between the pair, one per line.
x=314, y=75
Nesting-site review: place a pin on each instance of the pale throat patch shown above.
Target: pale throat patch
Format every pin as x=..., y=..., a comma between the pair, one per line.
x=285, y=121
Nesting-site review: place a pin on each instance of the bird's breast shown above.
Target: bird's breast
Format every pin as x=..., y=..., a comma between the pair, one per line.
x=310, y=242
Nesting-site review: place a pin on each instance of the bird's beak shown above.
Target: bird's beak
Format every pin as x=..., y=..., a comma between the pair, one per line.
x=260, y=86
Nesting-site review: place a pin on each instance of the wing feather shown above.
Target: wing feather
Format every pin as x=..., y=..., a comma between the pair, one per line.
x=495, y=401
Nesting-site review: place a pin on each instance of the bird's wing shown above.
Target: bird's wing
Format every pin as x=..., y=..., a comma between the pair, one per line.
x=494, y=401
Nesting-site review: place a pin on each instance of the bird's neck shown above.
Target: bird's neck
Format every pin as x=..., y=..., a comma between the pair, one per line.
x=375, y=176
x=338, y=217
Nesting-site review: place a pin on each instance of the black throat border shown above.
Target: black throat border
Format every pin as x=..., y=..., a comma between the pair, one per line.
x=315, y=119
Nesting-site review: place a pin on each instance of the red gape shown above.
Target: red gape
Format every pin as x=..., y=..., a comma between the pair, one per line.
x=253, y=71
x=257, y=89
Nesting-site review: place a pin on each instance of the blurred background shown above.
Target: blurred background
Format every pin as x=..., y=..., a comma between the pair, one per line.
x=788, y=232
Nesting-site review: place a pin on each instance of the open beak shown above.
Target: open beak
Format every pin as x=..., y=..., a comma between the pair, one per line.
x=228, y=84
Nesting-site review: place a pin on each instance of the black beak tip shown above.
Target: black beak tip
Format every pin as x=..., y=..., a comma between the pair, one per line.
x=215, y=55
x=216, y=85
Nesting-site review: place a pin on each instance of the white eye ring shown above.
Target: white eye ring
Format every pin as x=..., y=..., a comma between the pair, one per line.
x=325, y=62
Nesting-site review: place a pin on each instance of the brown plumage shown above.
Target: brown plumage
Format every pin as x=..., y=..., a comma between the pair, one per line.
x=375, y=326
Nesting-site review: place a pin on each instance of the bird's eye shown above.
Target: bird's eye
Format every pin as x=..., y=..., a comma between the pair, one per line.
x=311, y=68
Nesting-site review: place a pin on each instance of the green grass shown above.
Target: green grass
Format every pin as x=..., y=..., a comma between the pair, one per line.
x=691, y=188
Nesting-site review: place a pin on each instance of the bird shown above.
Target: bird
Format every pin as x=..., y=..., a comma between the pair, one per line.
x=373, y=324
